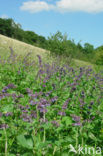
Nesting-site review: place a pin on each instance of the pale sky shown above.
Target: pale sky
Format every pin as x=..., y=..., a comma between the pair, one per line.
x=82, y=20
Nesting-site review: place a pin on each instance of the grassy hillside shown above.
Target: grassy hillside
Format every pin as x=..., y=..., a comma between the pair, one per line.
x=20, y=48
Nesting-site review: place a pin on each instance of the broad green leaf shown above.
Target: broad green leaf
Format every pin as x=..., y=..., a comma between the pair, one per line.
x=67, y=120
x=25, y=142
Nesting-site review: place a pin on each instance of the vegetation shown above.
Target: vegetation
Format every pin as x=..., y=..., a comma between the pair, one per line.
x=57, y=43
x=47, y=107
x=9, y=28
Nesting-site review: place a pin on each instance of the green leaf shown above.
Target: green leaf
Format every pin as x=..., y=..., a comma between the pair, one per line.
x=26, y=142
x=67, y=120
x=8, y=108
x=10, y=154
x=91, y=135
x=27, y=154
x=64, y=154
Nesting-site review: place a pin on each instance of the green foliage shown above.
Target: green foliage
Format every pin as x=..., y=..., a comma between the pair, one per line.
x=45, y=108
x=99, y=56
x=88, y=48
x=57, y=44
x=9, y=28
x=60, y=45
x=6, y=27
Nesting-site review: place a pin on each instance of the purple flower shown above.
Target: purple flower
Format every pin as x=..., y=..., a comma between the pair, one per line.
x=14, y=96
x=42, y=120
x=77, y=124
x=40, y=60
x=76, y=118
x=54, y=86
x=4, y=89
x=0, y=114
x=43, y=110
x=90, y=107
x=54, y=99
x=33, y=102
x=55, y=123
x=91, y=103
x=21, y=107
x=24, y=111
x=33, y=114
x=8, y=114
x=73, y=89
x=61, y=113
x=66, y=104
x=26, y=117
x=4, y=126
x=27, y=107
x=29, y=91
x=11, y=86
x=20, y=96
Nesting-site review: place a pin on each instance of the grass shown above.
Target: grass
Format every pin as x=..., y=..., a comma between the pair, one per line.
x=19, y=47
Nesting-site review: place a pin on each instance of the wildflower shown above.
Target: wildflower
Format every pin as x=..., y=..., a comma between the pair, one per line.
x=33, y=102
x=40, y=60
x=4, y=126
x=42, y=120
x=0, y=114
x=61, y=113
x=8, y=114
x=55, y=123
x=77, y=124
x=65, y=104
x=91, y=103
x=54, y=99
x=33, y=114
x=76, y=118
x=11, y=86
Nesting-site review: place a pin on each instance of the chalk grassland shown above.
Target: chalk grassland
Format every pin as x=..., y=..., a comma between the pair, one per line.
x=20, y=48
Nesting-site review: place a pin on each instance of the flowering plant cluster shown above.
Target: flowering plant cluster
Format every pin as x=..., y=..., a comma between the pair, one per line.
x=46, y=107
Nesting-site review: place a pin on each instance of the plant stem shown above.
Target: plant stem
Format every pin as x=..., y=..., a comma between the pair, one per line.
x=5, y=142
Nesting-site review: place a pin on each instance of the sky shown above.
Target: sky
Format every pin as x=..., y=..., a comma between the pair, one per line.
x=82, y=20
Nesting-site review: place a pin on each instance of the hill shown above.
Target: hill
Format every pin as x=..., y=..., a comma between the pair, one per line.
x=19, y=47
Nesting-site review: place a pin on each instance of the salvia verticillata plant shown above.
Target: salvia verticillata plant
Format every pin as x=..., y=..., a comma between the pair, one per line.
x=46, y=107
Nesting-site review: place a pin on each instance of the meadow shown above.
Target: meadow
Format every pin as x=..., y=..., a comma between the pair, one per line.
x=47, y=107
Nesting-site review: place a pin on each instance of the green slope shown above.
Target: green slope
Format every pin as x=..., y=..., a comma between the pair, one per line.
x=19, y=47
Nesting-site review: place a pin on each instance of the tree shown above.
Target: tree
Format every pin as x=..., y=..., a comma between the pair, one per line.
x=6, y=27
x=88, y=48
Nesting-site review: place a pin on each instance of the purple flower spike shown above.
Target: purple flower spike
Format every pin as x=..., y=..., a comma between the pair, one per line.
x=91, y=103
x=8, y=114
x=55, y=123
x=33, y=103
x=62, y=113
x=4, y=126
x=0, y=114
x=54, y=99
x=77, y=124
x=33, y=114
x=76, y=118
x=11, y=86
x=43, y=110
x=40, y=60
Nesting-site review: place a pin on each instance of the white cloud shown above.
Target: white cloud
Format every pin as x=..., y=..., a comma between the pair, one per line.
x=36, y=6
x=90, y=6
x=4, y=16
